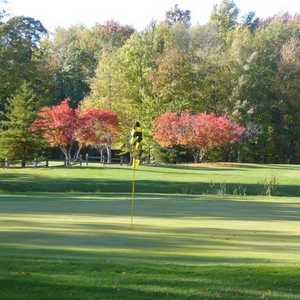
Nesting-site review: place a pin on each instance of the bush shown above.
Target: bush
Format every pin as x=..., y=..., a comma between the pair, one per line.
x=171, y=155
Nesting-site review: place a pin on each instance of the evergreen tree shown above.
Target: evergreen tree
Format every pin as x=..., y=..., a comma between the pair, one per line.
x=17, y=140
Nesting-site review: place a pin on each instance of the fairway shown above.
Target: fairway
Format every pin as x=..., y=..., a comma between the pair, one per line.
x=199, y=233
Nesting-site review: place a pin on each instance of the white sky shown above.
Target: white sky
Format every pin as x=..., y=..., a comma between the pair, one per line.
x=138, y=13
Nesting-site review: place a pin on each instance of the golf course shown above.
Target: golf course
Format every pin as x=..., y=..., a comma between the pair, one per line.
x=149, y=150
x=210, y=231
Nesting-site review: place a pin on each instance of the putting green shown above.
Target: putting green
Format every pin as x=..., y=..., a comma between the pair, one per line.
x=170, y=228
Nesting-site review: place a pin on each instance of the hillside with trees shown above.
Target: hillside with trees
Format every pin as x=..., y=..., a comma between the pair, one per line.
x=238, y=68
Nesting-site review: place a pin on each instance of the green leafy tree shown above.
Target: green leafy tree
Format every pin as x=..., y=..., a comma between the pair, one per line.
x=225, y=16
x=109, y=90
x=204, y=39
x=287, y=87
x=108, y=82
x=177, y=15
x=136, y=62
x=20, y=56
x=112, y=35
x=172, y=82
x=75, y=53
x=122, y=82
x=267, y=89
x=251, y=21
x=246, y=69
x=2, y=10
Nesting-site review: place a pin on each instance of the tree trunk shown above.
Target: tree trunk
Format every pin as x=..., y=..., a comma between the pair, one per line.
x=78, y=152
x=239, y=155
x=130, y=158
x=101, y=155
x=70, y=154
x=108, y=151
x=100, y=151
x=196, y=156
x=149, y=155
x=66, y=154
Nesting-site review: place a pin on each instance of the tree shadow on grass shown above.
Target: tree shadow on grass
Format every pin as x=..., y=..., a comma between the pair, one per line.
x=23, y=182
x=70, y=279
x=142, y=244
x=86, y=260
x=86, y=225
x=186, y=207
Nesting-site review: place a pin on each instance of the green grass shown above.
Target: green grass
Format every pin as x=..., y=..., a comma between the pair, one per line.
x=66, y=234
x=249, y=179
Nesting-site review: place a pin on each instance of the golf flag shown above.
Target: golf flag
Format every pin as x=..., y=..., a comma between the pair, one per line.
x=136, y=138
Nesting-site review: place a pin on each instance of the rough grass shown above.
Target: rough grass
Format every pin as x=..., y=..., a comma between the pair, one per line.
x=66, y=234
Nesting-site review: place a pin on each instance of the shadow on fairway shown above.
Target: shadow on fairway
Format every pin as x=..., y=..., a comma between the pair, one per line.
x=168, y=229
x=184, y=207
x=70, y=246
x=146, y=244
x=70, y=279
x=24, y=182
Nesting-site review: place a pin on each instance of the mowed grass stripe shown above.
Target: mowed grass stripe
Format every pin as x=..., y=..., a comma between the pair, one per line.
x=239, y=179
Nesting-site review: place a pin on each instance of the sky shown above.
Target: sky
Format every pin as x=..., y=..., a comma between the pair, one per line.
x=137, y=13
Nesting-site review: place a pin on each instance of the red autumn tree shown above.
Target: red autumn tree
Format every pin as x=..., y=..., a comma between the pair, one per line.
x=97, y=128
x=166, y=128
x=63, y=126
x=58, y=125
x=198, y=132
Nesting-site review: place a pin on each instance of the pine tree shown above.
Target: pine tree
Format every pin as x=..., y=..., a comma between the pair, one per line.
x=17, y=140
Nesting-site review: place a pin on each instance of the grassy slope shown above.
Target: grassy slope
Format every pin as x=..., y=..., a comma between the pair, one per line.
x=79, y=245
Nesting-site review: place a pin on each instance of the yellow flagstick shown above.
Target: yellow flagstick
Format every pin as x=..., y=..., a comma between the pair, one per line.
x=135, y=144
x=134, y=165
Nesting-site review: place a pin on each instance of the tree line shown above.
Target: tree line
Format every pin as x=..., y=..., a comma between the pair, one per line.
x=242, y=68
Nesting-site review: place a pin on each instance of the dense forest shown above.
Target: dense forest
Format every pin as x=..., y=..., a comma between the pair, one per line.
x=240, y=66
